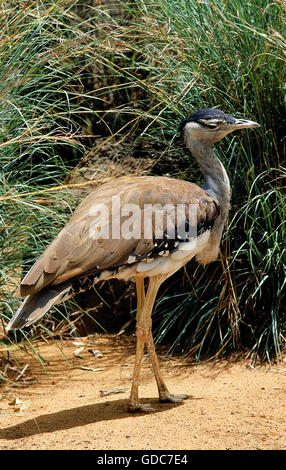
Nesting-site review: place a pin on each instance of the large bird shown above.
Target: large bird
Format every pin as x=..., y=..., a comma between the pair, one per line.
x=137, y=228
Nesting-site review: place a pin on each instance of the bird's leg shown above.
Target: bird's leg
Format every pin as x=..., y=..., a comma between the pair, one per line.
x=144, y=310
x=164, y=394
x=134, y=404
x=144, y=335
x=162, y=388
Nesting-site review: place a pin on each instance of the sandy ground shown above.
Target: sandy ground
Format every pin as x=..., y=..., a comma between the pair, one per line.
x=231, y=405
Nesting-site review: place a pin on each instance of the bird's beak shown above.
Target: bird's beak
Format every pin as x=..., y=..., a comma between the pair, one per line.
x=243, y=123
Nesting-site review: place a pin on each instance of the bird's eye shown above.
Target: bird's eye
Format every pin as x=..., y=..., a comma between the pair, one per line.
x=209, y=123
x=211, y=126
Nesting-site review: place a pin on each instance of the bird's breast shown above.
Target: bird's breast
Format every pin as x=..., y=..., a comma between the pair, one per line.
x=174, y=261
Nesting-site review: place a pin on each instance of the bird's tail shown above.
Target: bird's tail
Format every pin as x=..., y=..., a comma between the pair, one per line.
x=36, y=305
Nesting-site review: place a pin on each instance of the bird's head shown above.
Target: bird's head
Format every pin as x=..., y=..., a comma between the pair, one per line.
x=210, y=125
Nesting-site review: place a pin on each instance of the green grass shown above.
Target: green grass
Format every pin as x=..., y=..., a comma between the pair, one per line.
x=135, y=70
x=183, y=55
x=173, y=58
x=43, y=64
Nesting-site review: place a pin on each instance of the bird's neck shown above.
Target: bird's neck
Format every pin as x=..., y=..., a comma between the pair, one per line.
x=216, y=182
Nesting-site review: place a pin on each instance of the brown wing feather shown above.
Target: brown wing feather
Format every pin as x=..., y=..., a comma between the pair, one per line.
x=75, y=251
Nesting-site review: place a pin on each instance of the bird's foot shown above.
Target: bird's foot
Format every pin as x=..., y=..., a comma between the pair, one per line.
x=167, y=396
x=140, y=407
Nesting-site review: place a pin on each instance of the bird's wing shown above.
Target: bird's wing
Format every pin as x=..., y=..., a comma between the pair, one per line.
x=93, y=239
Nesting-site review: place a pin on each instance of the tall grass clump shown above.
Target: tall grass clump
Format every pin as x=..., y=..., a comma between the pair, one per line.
x=44, y=60
x=135, y=69
x=174, y=57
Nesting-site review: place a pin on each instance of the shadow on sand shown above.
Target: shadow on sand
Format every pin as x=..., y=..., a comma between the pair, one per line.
x=80, y=416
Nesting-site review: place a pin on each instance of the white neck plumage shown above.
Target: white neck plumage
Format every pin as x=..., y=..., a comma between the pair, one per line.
x=216, y=182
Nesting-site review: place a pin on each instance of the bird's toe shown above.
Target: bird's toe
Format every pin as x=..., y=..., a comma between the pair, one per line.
x=140, y=407
x=166, y=396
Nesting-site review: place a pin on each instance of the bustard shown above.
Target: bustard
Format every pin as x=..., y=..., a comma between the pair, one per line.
x=93, y=245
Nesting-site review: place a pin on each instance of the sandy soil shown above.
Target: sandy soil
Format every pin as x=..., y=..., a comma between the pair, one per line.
x=231, y=405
